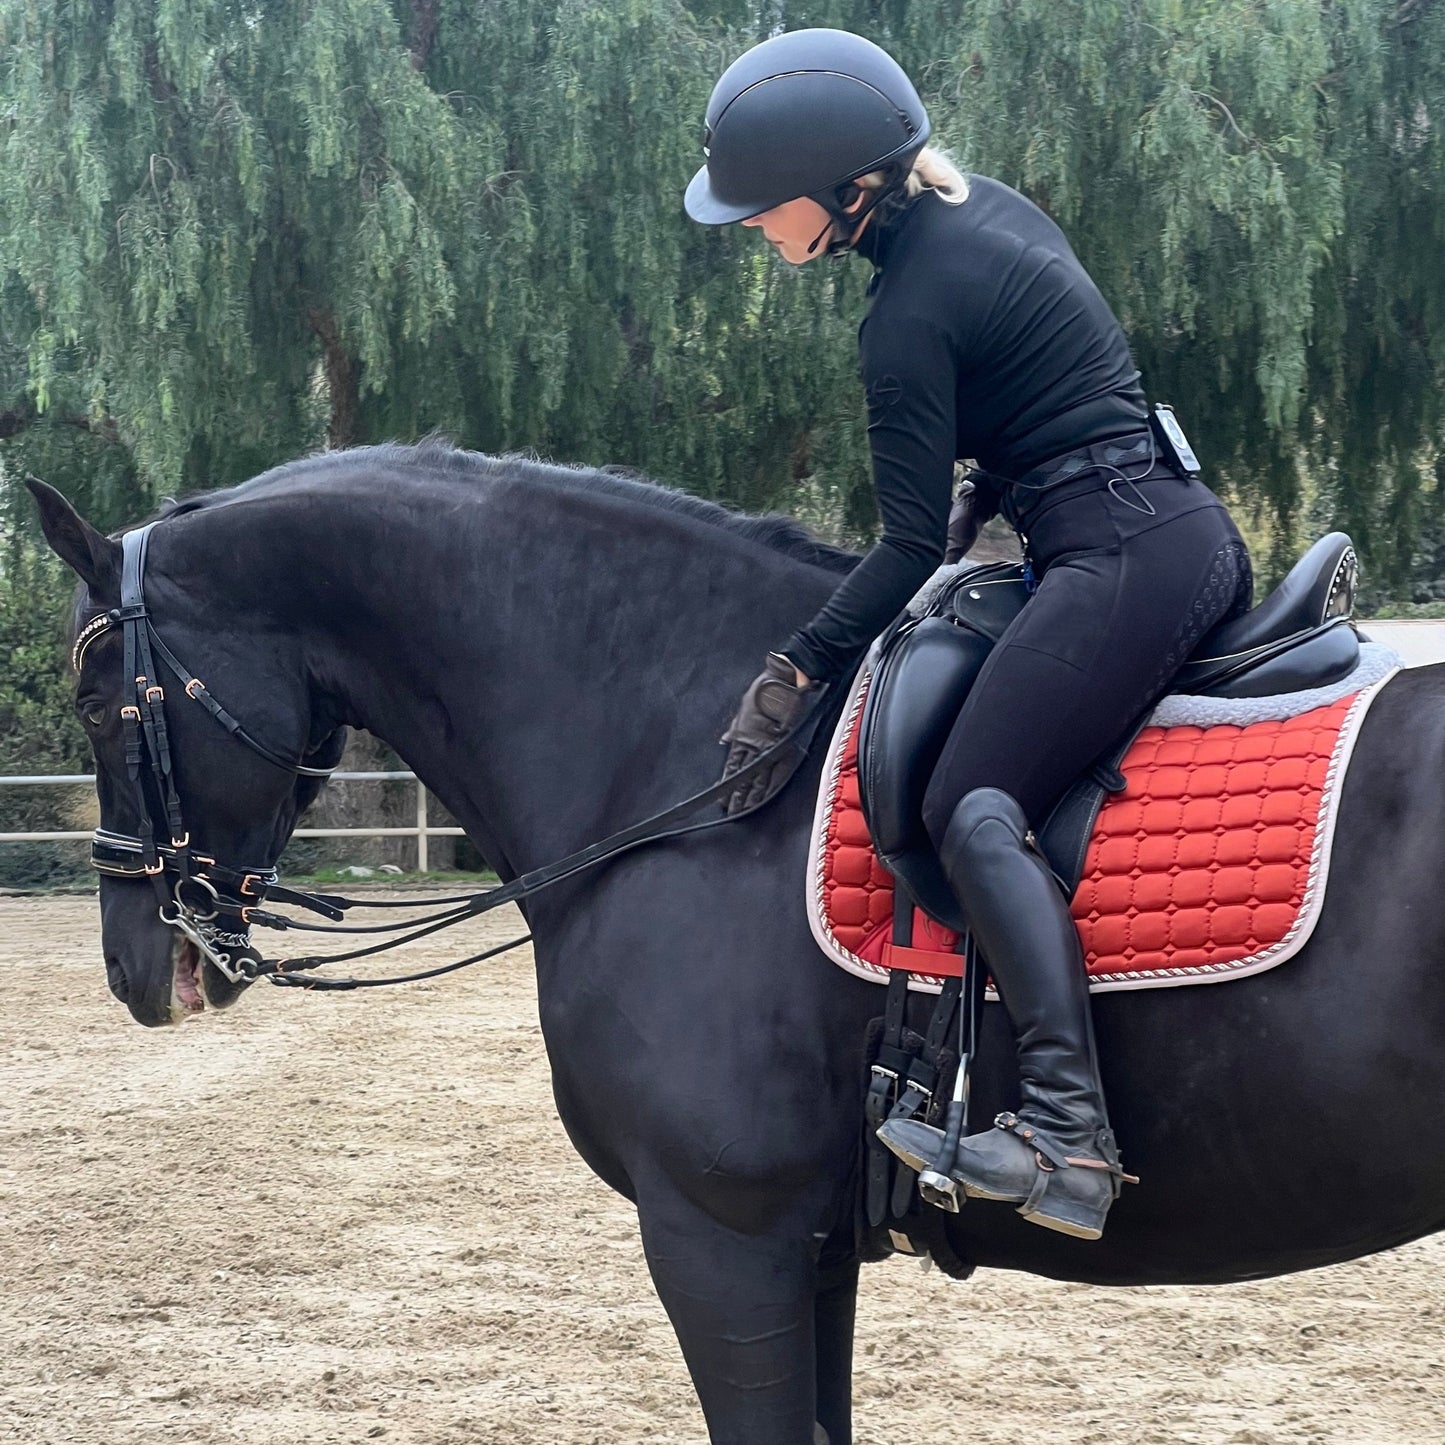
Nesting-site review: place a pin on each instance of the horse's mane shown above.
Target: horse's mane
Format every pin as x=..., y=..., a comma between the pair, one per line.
x=781, y=533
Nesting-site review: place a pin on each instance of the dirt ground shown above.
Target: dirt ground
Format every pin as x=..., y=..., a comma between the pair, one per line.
x=344, y=1218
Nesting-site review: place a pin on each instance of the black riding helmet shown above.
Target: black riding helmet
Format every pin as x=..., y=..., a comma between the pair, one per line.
x=802, y=114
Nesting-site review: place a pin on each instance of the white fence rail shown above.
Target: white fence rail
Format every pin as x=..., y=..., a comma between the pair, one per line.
x=1419, y=643
x=421, y=830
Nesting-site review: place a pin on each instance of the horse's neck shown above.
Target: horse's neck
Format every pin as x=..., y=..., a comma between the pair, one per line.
x=551, y=689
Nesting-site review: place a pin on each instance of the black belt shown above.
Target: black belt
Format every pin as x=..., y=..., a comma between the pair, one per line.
x=1017, y=494
x=1116, y=453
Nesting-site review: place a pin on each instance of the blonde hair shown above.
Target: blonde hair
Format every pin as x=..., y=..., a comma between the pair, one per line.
x=932, y=171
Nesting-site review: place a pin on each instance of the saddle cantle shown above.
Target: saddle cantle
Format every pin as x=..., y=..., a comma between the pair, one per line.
x=1301, y=636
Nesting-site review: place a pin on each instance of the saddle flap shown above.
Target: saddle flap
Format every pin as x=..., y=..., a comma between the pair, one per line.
x=1299, y=638
x=917, y=691
x=984, y=599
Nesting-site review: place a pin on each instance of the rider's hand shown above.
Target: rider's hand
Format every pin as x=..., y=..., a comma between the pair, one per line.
x=964, y=525
x=777, y=700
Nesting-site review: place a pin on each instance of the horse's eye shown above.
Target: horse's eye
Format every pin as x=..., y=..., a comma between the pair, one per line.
x=95, y=715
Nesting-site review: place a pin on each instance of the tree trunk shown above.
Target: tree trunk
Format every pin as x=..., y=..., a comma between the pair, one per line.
x=423, y=32
x=342, y=379
x=385, y=805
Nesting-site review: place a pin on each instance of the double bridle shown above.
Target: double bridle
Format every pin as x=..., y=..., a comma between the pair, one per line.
x=200, y=896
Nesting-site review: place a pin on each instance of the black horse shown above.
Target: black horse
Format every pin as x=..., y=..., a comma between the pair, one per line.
x=555, y=652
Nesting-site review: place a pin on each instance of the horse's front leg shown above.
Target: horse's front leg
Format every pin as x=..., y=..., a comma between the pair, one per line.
x=835, y=1307
x=743, y=1309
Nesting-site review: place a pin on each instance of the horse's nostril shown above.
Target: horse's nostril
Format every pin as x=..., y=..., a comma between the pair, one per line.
x=115, y=977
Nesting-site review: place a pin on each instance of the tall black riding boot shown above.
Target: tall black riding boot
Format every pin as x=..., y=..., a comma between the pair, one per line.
x=1056, y=1158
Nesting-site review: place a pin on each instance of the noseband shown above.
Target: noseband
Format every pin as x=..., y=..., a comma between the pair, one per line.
x=197, y=893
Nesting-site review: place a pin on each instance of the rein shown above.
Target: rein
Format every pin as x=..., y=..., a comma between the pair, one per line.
x=205, y=890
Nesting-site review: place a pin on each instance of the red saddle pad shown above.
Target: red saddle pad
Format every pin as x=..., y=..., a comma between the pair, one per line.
x=1211, y=864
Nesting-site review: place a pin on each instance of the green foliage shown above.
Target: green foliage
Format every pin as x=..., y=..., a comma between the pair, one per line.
x=232, y=232
x=38, y=730
x=35, y=595
x=1255, y=184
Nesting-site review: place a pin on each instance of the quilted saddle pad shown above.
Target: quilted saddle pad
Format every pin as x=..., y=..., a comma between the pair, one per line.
x=1210, y=865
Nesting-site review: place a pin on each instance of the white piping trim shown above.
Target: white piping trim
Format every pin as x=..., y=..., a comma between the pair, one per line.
x=817, y=851
x=1295, y=939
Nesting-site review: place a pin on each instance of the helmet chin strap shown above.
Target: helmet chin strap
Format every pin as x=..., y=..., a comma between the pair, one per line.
x=849, y=220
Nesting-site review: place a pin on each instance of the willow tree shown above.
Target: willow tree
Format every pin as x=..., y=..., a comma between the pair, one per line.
x=230, y=231
x=1257, y=185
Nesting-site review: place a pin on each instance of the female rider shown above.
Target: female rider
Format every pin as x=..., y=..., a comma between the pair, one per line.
x=985, y=340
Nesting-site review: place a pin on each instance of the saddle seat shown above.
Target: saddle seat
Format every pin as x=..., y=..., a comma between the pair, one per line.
x=1301, y=636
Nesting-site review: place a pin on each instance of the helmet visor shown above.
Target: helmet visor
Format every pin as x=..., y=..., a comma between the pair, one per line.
x=703, y=204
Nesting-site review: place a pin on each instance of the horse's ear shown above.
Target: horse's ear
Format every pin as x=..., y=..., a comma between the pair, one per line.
x=93, y=558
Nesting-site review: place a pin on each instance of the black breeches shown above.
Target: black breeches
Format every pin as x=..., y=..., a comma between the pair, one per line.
x=1121, y=605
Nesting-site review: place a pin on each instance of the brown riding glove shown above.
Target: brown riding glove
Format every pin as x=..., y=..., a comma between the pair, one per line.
x=771, y=708
x=965, y=522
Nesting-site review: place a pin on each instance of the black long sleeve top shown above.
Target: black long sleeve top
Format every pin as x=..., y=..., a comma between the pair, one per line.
x=986, y=339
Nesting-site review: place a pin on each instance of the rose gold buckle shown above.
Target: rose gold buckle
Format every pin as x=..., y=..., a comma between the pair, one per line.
x=130, y=714
x=182, y=842
x=192, y=686
x=246, y=884
x=155, y=694
x=159, y=868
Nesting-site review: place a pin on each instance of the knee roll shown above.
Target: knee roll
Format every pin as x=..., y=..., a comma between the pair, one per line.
x=949, y=816
x=968, y=828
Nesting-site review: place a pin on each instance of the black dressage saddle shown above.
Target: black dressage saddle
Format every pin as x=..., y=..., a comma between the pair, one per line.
x=1300, y=636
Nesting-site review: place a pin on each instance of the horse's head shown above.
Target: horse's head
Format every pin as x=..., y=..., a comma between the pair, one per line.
x=193, y=812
